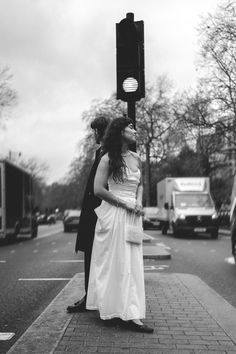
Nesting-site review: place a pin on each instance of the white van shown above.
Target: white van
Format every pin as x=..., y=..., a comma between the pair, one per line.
x=186, y=206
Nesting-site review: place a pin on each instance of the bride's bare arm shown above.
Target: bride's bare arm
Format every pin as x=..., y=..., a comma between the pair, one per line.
x=140, y=186
x=100, y=184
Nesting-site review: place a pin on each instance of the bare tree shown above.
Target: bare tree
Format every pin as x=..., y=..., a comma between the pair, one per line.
x=217, y=34
x=154, y=122
x=7, y=94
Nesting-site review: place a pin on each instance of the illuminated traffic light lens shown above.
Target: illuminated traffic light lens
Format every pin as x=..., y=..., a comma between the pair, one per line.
x=130, y=84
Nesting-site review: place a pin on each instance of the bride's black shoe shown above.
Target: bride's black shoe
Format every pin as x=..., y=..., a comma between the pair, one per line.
x=139, y=327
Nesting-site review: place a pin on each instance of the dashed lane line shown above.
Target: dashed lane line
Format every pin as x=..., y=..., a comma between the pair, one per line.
x=156, y=267
x=230, y=260
x=163, y=245
x=43, y=279
x=67, y=261
x=6, y=335
x=2, y=261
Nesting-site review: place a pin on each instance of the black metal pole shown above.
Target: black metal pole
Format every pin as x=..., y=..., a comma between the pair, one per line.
x=132, y=115
x=131, y=111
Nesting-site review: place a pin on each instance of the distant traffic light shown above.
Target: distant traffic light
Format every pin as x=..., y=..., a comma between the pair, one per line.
x=130, y=59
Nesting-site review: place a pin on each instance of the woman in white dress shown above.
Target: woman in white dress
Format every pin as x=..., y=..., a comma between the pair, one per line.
x=116, y=281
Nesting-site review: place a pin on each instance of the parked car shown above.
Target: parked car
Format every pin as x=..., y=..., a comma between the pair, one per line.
x=45, y=219
x=150, y=218
x=51, y=219
x=42, y=219
x=71, y=220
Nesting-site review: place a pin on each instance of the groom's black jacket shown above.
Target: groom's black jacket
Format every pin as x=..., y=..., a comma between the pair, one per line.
x=88, y=218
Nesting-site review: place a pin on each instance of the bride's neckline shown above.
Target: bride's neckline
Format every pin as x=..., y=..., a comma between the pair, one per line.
x=126, y=154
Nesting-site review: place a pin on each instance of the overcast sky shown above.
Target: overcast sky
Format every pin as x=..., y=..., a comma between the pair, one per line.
x=62, y=56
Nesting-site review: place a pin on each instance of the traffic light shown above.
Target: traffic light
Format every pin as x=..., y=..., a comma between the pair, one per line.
x=130, y=59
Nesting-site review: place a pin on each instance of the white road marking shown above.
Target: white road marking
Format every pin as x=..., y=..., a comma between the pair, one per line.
x=67, y=261
x=6, y=335
x=230, y=260
x=2, y=261
x=212, y=251
x=12, y=251
x=53, y=243
x=42, y=279
x=35, y=251
x=37, y=244
x=55, y=251
x=155, y=267
x=176, y=250
x=163, y=245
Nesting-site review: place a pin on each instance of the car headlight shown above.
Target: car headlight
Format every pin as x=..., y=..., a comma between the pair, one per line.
x=214, y=216
x=182, y=217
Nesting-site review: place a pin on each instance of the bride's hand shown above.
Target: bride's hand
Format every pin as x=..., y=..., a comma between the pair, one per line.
x=139, y=209
x=130, y=207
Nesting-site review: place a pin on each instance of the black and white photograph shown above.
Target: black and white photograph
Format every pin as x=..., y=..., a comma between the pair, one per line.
x=118, y=177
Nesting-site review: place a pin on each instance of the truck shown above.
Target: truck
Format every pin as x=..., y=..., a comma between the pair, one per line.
x=16, y=202
x=185, y=206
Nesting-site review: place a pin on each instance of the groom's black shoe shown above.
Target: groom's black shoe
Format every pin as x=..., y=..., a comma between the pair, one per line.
x=138, y=328
x=79, y=306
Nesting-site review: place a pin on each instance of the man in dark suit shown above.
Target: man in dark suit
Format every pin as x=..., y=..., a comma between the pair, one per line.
x=88, y=217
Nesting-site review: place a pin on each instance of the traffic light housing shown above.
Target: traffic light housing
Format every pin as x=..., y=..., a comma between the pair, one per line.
x=130, y=59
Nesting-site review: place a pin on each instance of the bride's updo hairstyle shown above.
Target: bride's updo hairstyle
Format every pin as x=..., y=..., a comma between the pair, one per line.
x=112, y=144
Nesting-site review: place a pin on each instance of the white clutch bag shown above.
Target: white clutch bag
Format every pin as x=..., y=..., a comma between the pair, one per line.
x=134, y=234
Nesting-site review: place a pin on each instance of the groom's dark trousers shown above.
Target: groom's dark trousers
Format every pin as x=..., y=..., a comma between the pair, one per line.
x=88, y=219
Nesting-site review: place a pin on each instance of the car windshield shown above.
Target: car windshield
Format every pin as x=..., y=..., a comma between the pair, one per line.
x=73, y=213
x=193, y=200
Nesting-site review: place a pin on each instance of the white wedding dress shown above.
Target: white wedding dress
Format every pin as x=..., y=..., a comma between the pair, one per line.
x=116, y=280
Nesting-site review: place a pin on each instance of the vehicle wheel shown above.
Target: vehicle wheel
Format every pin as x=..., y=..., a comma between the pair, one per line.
x=11, y=237
x=165, y=228
x=175, y=232
x=214, y=234
x=34, y=232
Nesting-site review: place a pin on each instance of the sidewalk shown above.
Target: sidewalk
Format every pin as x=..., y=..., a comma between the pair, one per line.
x=188, y=317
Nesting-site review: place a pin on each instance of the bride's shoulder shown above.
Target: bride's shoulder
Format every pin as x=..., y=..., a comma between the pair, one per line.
x=105, y=158
x=135, y=154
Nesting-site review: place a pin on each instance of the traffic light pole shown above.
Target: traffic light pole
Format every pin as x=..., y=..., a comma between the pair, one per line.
x=130, y=63
x=131, y=111
x=132, y=115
